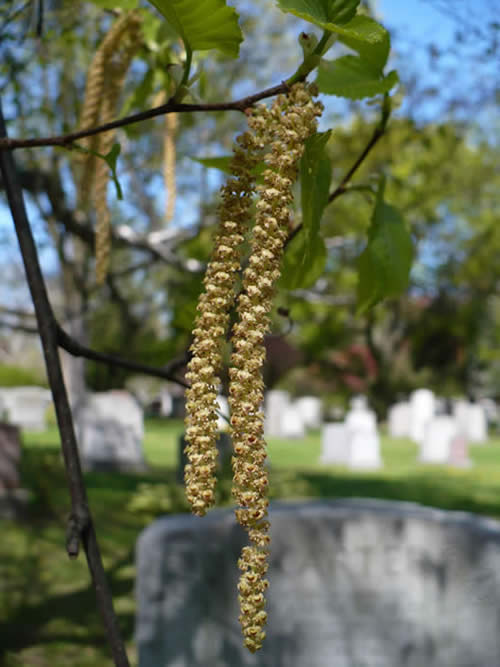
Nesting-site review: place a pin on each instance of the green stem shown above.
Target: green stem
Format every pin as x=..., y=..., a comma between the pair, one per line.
x=187, y=66
x=312, y=61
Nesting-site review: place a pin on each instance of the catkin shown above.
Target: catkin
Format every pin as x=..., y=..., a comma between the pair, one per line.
x=124, y=39
x=94, y=90
x=212, y=323
x=289, y=122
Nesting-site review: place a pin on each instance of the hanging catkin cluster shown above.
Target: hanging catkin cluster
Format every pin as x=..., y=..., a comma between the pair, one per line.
x=104, y=84
x=212, y=323
x=290, y=121
x=283, y=129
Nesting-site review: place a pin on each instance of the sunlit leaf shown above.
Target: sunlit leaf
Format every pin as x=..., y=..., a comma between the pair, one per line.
x=116, y=4
x=315, y=179
x=370, y=39
x=304, y=261
x=203, y=24
x=321, y=12
x=351, y=77
x=384, y=265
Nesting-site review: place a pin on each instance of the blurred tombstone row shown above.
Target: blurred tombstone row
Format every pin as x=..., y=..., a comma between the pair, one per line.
x=25, y=407
x=354, y=582
x=355, y=442
x=110, y=431
x=291, y=419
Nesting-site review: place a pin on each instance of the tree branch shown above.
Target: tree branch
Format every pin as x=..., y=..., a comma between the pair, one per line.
x=65, y=140
x=80, y=526
x=77, y=350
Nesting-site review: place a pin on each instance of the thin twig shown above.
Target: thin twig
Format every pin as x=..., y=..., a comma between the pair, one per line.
x=80, y=526
x=77, y=350
x=171, y=106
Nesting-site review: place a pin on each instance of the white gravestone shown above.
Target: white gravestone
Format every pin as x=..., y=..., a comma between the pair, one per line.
x=292, y=423
x=364, y=450
x=334, y=444
x=223, y=408
x=398, y=420
x=110, y=431
x=166, y=403
x=477, y=431
x=439, y=433
x=276, y=403
x=353, y=583
x=472, y=421
x=422, y=409
x=364, y=442
x=309, y=408
x=26, y=407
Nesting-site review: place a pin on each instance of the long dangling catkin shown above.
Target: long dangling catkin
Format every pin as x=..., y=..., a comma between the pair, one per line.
x=169, y=159
x=94, y=89
x=290, y=121
x=115, y=73
x=212, y=323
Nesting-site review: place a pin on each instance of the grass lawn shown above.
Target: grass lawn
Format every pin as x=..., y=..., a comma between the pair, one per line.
x=47, y=607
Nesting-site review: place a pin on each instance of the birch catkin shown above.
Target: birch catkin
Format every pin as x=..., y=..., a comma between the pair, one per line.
x=212, y=323
x=281, y=131
x=104, y=84
x=94, y=90
x=289, y=122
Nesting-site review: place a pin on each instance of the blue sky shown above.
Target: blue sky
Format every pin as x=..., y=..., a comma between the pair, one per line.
x=414, y=22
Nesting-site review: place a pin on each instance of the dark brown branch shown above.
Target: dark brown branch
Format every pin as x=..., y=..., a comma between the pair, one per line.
x=77, y=350
x=65, y=140
x=81, y=526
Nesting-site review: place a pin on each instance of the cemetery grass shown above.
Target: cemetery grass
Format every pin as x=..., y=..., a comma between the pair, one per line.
x=47, y=606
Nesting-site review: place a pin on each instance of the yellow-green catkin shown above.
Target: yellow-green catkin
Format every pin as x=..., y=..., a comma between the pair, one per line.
x=94, y=90
x=212, y=324
x=289, y=122
x=114, y=77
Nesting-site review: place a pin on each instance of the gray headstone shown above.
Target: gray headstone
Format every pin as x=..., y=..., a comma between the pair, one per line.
x=398, y=420
x=110, y=431
x=26, y=407
x=353, y=583
x=10, y=456
x=13, y=499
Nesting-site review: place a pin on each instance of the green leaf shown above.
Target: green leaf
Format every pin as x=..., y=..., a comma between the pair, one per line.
x=116, y=4
x=137, y=99
x=222, y=163
x=315, y=179
x=203, y=24
x=306, y=255
x=321, y=12
x=351, y=76
x=112, y=159
x=384, y=265
x=304, y=261
x=368, y=38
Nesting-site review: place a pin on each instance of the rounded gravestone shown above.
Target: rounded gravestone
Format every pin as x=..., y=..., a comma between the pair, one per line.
x=353, y=583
